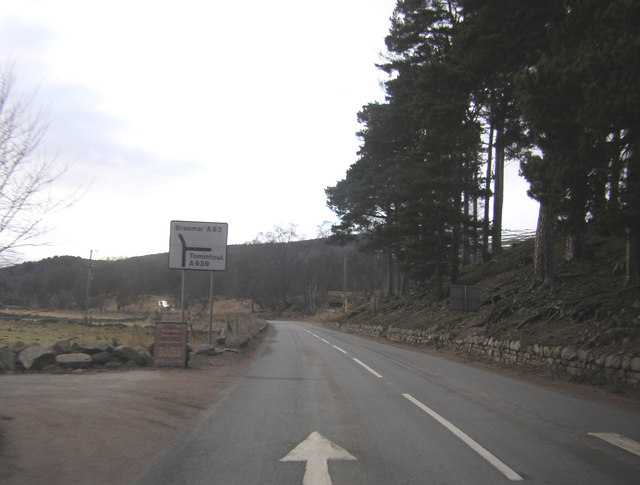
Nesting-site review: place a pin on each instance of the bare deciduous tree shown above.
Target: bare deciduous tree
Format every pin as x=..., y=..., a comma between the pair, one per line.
x=26, y=173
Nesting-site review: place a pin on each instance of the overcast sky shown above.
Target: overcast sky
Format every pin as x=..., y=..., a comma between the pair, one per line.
x=237, y=112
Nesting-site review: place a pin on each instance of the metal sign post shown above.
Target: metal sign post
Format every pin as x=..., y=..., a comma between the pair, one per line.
x=211, y=309
x=200, y=246
x=182, y=296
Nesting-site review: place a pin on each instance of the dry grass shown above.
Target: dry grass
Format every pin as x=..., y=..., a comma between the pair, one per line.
x=47, y=333
x=128, y=328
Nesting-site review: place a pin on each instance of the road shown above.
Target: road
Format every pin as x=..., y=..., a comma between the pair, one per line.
x=322, y=407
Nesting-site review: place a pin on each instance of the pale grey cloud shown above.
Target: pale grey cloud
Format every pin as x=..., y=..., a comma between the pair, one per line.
x=238, y=112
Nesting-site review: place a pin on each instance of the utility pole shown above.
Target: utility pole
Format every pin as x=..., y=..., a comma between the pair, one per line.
x=344, y=282
x=86, y=301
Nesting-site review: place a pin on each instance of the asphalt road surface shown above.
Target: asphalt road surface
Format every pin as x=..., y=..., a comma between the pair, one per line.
x=322, y=407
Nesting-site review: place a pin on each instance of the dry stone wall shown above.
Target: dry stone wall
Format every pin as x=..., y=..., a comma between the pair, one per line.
x=590, y=365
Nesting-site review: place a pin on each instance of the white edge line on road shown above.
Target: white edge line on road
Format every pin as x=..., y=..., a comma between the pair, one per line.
x=470, y=442
x=620, y=441
x=325, y=341
x=338, y=348
x=367, y=367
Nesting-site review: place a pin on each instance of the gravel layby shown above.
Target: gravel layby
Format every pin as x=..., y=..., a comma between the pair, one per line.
x=105, y=427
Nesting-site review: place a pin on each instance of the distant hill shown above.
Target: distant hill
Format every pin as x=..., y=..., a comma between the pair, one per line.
x=273, y=275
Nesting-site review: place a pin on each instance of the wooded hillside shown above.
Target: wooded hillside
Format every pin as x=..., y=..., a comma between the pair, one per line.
x=273, y=275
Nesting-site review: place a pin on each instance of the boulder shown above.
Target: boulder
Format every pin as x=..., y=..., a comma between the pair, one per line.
x=207, y=349
x=94, y=348
x=127, y=353
x=18, y=347
x=569, y=354
x=7, y=359
x=62, y=347
x=613, y=362
x=584, y=355
x=103, y=358
x=53, y=369
x=36, y=357
x=74, y=360
x=144, y=353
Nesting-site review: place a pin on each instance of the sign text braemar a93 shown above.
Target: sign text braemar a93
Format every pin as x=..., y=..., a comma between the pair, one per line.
x=198, y=245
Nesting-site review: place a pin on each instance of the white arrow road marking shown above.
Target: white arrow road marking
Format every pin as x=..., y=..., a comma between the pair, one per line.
x=367, y=367
x=470, y=442
x=619, y=441
x=316, y=450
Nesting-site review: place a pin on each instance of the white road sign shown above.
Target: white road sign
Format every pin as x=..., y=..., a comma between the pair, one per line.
x=198, y=245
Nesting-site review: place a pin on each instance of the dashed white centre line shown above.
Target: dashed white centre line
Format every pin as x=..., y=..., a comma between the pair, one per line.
x=345, y=352
x=620, y=441
x=470, y=442
x=367, y=367
x=327, y=342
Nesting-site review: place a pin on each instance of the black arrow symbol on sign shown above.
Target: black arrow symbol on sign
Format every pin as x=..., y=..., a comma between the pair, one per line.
x=185, y=249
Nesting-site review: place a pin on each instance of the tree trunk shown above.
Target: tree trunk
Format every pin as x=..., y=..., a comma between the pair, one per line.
x=438, y=270
x=438, y=281
x=455, y=242
x=403, y=285
x=498, y=194
x=474, y=237
x=575, y=248
x=632, y=270
x=487, y=200
x=615, y=179
x=455, y=251
x=466, y=239
x=389, y=285
x=543, y=272
x=632, y=229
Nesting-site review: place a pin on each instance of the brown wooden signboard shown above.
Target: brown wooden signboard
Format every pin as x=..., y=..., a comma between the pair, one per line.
x=170, y=346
